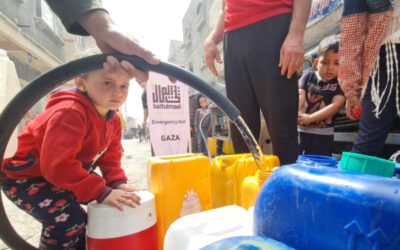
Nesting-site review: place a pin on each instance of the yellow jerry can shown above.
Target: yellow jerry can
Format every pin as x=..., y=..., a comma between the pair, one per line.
x=181, y=185
x=228, y=173
x=251, y=186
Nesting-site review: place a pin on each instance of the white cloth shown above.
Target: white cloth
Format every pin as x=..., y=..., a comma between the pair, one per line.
x=394, y=27
x=9, y=87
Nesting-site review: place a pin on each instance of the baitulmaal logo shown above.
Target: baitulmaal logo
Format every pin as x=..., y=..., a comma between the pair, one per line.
x=166, y=97
x=191, y=203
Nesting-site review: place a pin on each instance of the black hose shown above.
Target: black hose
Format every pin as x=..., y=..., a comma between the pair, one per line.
x=42, y=85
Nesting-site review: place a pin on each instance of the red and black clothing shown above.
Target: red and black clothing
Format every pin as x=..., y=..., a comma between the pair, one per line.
x=55, y=152
x=60, y=142
x=254, y=33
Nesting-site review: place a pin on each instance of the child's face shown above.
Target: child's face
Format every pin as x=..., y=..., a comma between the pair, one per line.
x=107, y=91
x=328, y=65
x=203, y=103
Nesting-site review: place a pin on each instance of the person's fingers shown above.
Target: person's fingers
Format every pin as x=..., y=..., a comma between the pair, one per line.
x=299, y=62
x=126, y=201
x=127, y=188
x=117, y=204
x=111, y=65
x=117, y=40
x=349, y=112
x=291, y=68
x=136, y=199
x=210, y=63
x=130, y=199
x=172, y=79
x=113, y=62
x=133, y=72
x=285, y=60
x=280, y=57
x=295, y=63
x=133, y=47
x=107, y=67
x=218, y=57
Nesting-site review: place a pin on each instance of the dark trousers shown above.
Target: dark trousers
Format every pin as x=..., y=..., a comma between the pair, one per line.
x=220, y=146
x=312, y=144
x=201, y=143
x=62, y=217
x=253, y=81
x=373, y=131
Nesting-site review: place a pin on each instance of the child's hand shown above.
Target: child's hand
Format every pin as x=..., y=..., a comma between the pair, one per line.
x=304, y=119
x=299, y=118
x=127, y=187
x=117, y=198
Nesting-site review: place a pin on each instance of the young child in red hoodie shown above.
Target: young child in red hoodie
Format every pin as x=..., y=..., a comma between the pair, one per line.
x=51, y=172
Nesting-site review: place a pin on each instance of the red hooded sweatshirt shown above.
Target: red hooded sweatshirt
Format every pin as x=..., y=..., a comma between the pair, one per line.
x=65, y=138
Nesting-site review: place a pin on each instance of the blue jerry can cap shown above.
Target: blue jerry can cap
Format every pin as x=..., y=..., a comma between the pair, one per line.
x=317, y=160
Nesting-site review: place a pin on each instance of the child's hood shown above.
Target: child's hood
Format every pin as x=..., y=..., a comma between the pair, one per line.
x=70, y=98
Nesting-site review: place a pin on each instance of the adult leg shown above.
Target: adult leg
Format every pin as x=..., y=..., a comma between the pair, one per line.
x=318, y=144
x=277, y=95
x=62, y=217
x=302, y=143
x=239, y=88
x=200, y=143
x=373, y=131
x=220, y=145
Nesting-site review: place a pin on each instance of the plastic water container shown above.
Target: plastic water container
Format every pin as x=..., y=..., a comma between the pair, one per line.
x=247, y=243
x=318, y=207
x=367, y=164
x=198, y=230
x=251, y=187
x=227, y=146
x=181, y=185
x=212, y=145
x=228, y=173
x=132, y=229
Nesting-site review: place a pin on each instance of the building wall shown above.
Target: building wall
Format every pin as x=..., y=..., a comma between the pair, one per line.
x=36, y=20
x=196, y=27
x=35, y=40
x=176, y=53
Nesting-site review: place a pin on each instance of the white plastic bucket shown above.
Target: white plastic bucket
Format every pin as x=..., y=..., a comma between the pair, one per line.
x=133, y=228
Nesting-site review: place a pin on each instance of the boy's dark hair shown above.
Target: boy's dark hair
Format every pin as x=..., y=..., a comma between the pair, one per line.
x=330, y=43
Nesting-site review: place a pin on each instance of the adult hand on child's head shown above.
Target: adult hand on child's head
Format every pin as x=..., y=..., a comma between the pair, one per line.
x=353, y=104
x=117, y=198
x=112, y=66
x=110, y=38
x=291, y=55
x=211, y=54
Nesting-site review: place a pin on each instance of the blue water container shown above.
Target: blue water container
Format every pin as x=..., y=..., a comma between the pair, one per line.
x=247, y=243
x=318, y=208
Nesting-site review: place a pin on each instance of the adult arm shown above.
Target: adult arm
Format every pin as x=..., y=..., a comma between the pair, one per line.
x=211, y=53
x=292, y=50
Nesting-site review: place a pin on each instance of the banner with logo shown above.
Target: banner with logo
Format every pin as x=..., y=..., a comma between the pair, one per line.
x=169, y=124
x=320, y=8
